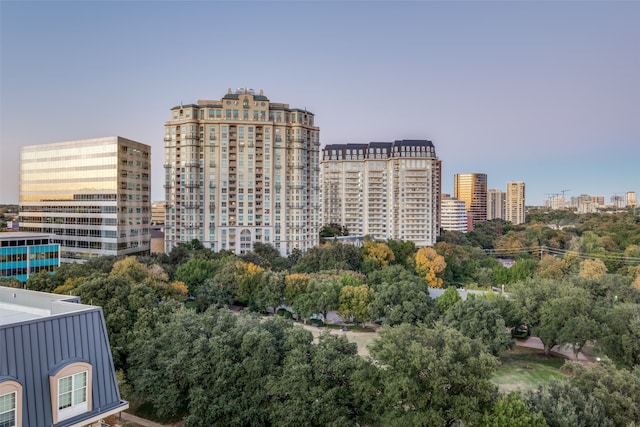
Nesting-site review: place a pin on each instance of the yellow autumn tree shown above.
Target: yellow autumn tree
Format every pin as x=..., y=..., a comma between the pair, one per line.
x=354, y=302
x=592, y=268
x=294, y=285
x=247, y=277
x=180, y=289
x=378, y=252
x=551, y=267
x=429, y=264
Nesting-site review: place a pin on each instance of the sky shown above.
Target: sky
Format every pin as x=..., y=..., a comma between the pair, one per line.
x=542, y=92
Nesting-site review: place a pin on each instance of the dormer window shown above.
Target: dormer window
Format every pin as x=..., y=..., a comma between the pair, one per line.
x=71, y=391
x=10, y=404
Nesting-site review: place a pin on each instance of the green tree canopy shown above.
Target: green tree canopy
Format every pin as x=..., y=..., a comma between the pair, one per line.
x=431, y=376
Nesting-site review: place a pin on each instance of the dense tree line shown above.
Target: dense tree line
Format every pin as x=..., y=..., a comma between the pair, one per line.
x=433, y=360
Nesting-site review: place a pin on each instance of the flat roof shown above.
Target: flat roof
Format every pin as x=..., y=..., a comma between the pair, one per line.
x=21, y=305
x=13, y=235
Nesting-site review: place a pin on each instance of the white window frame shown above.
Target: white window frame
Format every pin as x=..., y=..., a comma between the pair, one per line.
x=13, y=387
x=73, y=370
x=11, y=410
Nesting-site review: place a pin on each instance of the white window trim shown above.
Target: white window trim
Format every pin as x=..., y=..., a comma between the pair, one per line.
x=70, y=370
x=13, y=387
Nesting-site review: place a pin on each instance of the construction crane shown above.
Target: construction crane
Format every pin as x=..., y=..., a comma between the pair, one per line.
x=563, y=191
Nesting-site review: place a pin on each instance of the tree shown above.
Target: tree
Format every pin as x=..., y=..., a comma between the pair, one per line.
x=551, y=267
x=329, y=256
x=270, y=291
x=592, y=268
x=354, y=302
x=431, y=376
x=320, y=298
x=448, y=299
x=620, y=339
x=294, y=285
x=593, y=395
x=560, y=313
x=247, y=277
x=403, y=252
x=405, y=300
x=512, y=411
x=378, y=252
x=194, y=273
x=479, y=318
x=429, y=264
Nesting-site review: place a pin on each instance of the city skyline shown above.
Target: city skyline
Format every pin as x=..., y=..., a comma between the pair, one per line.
x=544, y=93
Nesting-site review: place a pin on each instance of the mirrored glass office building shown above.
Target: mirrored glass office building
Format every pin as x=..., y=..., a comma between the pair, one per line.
x=92, y=194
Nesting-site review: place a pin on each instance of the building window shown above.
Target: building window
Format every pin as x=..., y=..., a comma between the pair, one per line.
x=10, y=404
x=71, y=390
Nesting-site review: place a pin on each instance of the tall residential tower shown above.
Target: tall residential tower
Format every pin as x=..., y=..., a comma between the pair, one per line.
x=93, y=194
x=242, y=170
x=495, y=204
x=515, y=207
x=387, y=190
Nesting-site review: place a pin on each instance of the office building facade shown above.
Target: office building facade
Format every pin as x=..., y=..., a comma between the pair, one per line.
x=495, y=204
x=242, y=170
x=515, y=202
x=93, y=194
x=472, y=189
x=387, y=190
x=24, y=254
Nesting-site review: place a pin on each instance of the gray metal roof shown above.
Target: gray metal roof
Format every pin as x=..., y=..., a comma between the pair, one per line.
x=42, y=332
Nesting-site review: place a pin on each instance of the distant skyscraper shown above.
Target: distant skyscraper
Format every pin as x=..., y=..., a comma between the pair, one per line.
x=93, y=194
x=495, y=204
x=472, y=189
x=387, y=190
x=632, y=201
x=515, y=202
x=453, y=214
x=242, y=170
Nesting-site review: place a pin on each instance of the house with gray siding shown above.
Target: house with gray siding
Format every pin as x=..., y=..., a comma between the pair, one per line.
x=56, y=368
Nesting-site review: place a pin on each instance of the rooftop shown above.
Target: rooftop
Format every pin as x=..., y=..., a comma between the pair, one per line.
x=14, y=235
x=21, y=305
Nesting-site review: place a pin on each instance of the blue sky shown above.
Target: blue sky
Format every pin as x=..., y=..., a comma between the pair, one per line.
x=542, y=92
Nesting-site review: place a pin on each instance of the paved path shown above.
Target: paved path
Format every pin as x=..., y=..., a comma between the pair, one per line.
x=567, y=353
x=125, y=416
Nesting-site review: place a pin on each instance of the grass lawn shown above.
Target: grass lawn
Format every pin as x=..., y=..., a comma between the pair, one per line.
x=526, y=369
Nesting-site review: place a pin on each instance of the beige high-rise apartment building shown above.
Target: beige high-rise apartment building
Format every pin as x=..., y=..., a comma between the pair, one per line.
x=93, y=194
x=387, y=190
x=631, y=199
x=241, y=170
x=515, y=202
x=472, y=189
x=495, y=204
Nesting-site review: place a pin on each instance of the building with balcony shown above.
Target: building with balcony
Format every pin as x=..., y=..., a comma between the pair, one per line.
x=242, y=170
x=515, y=202
x=472, y=189
x=387, y=190
x=92, y=194
x=495, y=204
x=24, y=254
x=55, y=365
x=453, y=214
